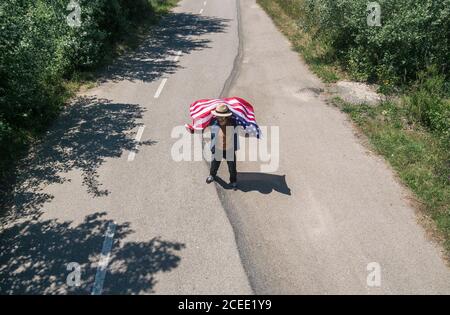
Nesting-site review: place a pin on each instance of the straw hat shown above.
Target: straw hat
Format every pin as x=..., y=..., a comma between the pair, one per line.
x=222, y=110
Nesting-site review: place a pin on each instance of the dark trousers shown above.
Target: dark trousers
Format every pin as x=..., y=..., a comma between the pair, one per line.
x=215, y=163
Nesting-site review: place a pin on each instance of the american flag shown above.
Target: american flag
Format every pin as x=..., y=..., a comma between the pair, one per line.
x=201, y=113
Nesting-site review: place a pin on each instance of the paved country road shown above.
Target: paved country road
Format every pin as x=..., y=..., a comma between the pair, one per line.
x=102, y=190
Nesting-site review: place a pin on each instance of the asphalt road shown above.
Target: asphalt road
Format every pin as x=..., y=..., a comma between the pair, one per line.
x=104, y=192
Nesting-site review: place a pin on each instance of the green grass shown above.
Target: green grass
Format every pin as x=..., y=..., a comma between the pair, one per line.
x=163, y=6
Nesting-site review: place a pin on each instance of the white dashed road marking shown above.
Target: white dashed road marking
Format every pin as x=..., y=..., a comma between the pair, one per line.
x=160, y=88
x=132, y=154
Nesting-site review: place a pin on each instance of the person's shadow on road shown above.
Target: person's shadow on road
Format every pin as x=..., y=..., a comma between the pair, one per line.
x=264, y=183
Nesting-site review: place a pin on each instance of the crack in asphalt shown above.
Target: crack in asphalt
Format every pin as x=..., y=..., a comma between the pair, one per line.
x=226, y=202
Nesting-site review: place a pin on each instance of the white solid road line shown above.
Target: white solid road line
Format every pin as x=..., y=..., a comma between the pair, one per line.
x=132, y=154
x=204, y=3
x=160, y=88
x=104, y=259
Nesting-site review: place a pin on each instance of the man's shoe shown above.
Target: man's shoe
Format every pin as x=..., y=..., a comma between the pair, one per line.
x=234, y=185
x=209, y=179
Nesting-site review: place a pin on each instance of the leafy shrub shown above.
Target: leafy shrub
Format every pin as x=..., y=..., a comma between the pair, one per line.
x=427, y=105
x=414, y=34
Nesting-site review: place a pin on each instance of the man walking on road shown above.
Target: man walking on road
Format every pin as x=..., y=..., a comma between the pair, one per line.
x=224, y=143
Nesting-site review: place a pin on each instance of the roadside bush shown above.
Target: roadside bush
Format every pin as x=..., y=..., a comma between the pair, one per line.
x=427, y=105
x=413, y=35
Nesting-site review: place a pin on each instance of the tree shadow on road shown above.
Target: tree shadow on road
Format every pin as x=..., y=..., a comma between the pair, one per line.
x=34, y=258
x=155, y=57
x=261, y=182
x=87, y=133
